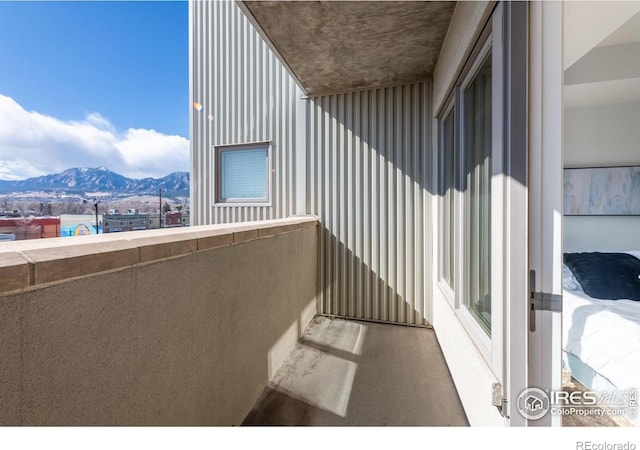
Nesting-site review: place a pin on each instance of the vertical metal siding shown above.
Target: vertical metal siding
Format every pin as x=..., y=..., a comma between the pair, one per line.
x=367, y=184
x=365, y=165
x=248, y=96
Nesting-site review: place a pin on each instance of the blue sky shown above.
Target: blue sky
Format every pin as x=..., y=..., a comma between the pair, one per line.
x=100, y=83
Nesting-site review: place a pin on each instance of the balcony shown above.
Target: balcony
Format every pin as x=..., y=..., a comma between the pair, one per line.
x=210, y=325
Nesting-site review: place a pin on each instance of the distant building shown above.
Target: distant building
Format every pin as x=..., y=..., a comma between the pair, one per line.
x=79, y=224
x=23, y=228
x=153, y=221
x=173, y=219
x=113, y=223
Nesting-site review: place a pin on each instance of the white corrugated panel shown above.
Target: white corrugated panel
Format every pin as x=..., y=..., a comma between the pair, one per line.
x=367, y=175
x=247, y=97
x=365, y=167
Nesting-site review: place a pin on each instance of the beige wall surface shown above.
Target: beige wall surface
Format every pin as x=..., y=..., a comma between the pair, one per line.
x=185, y=340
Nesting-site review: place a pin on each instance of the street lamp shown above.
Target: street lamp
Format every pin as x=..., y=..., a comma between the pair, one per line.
x=95, y=204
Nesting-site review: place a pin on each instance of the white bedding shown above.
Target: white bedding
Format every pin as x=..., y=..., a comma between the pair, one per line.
x=604, y=334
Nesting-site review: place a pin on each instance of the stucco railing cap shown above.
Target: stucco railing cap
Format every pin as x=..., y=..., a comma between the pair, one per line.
x=39, y=261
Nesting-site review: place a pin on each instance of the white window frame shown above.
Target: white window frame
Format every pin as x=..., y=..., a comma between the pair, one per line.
x=490, y=346
x=482, y=339
x=507, y=353
x=446, y=289
x=218, y=200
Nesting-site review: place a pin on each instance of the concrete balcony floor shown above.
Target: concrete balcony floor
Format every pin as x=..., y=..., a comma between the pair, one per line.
x=351, y=373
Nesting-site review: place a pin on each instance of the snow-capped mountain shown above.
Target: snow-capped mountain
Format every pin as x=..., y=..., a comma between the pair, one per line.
x=82, y=181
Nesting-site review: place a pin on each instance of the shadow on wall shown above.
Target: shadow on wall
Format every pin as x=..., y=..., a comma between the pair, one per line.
x=347, y=287
x=367, y=154
x=372, y=174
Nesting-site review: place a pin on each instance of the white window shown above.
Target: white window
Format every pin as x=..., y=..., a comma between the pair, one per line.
x=466, y=169
x=482, y=228
x=242, y=174
x=476, y=160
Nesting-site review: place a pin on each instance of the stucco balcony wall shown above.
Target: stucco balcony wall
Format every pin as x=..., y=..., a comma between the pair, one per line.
x=161, y=327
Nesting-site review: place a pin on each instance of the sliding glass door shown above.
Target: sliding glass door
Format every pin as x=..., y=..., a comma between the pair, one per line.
x=483, y=216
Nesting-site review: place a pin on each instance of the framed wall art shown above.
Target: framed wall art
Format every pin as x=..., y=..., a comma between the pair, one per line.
x=602, y=191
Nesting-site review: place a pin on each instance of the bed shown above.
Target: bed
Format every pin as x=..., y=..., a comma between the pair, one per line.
x=601, y=336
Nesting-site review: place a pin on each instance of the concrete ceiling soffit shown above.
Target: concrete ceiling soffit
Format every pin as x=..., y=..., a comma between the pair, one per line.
x=336, y=46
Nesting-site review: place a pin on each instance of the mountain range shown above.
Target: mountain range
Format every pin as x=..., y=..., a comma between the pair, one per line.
x=88, y=181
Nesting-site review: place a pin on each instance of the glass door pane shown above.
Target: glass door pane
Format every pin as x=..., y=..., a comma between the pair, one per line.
x=477, y=194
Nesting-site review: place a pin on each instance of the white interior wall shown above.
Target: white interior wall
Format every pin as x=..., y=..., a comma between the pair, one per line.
x=587, y=23
x=602, y=135
x=596, y=136
x=601, y=234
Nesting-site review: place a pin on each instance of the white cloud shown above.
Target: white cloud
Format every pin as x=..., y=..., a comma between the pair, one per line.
x=33, y=144
x=147, y=151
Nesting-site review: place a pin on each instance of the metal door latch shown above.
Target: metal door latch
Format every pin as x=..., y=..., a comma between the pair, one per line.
x=541, y=301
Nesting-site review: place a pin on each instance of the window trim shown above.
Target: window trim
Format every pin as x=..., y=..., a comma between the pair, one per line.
x=485, y=45
x=218, y=150
x=483, y=341
x=447, y=289
x=489, y=40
